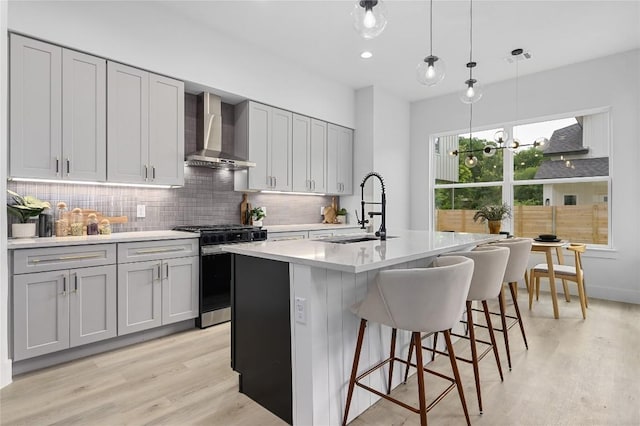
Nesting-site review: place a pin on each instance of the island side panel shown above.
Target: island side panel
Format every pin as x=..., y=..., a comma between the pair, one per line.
x=261, y=332
x=324, y=346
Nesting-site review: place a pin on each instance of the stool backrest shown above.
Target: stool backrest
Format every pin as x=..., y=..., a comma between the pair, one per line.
x=489, y=265
x=420, y=299
x=519, y=251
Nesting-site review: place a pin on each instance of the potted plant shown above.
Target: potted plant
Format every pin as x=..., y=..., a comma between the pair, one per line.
x=25, y=208
x=341, y=216
x=257, y=214
x=493, y=214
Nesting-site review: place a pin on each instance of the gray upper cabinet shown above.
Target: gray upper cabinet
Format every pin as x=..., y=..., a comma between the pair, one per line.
x=58, y=112
x=340, y=160
x=84, y=104
x=166, y=130
x=128, y=124
x=264, y=134
x=145, y=118
x=35, y=145
x=309, y=154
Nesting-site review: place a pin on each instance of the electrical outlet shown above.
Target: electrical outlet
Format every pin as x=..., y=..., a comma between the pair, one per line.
x=301, y=310
x=141, y=211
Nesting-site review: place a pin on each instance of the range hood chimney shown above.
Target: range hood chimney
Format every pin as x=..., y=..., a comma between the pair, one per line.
x=209, y=138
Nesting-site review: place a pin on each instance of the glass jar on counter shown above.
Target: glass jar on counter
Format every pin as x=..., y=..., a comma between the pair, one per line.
x=92, y=224
x=105, y=227
x=62, y=220
x=77, y=222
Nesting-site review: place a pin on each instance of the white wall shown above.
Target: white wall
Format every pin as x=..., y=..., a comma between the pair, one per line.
x=381, y=144
x=155, y=38
x=606, y=82
x=5, y=364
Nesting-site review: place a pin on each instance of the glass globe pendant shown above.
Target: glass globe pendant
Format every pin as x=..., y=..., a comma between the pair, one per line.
x=501, y=136
x=471, y=161
x=430, y=71
x=369, y=18
x=472, y=91
x=489, y=149
x=541, y=143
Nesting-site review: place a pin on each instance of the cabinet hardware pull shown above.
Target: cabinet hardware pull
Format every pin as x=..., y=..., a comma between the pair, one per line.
x=159, y=250
x=64, y=286
x=153, y=172
x=68, y=166
x=167, y=269
x=275, y=181
x=57, y=165
x=146, y=172
x=75, y=283
x=74, y=257
x=157, y=279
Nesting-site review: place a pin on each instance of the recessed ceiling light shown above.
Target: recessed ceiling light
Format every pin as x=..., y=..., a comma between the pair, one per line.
x=366, y=54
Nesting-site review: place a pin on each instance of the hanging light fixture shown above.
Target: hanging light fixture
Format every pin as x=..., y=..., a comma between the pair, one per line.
x=431, y=70
x=369, y=17
x=471, y=160
x=501, y=137
x=472, y=91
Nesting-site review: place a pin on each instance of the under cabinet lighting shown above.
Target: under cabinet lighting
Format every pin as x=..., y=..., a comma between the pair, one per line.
x=79, y=182
x=292, y=193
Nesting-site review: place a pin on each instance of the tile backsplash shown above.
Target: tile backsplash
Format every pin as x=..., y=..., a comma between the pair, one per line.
x=207, y=196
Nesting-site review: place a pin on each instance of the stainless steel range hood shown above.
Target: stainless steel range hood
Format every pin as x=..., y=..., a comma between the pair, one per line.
x=209, y=138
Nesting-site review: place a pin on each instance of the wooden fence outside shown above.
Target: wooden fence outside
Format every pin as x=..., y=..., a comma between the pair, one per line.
x=583, y=224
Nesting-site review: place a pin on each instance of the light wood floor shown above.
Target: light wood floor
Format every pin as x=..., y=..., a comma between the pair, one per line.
x=575, y=373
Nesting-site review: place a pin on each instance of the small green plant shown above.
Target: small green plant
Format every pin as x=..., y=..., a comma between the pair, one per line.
x=341, y=212
x=492, y=212
x=25, y=207
x=257, y=213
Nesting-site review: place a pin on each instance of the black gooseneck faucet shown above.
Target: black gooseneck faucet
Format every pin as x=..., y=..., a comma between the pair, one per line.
x=382, y=232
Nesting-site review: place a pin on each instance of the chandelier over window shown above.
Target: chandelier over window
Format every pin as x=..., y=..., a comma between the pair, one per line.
x=369, y=18
x=430, y=70
x=472, y=91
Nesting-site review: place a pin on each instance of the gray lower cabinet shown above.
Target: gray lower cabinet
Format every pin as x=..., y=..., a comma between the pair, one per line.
x=159, y=291
x=56, y=310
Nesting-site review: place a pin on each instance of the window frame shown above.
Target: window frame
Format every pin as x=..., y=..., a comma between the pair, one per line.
x=508, y=183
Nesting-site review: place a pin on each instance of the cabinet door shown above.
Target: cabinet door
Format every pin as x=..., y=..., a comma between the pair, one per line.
x=40, y=313
x=139, y=296
x=259, y=136
x=345, y=156
x=280, y=150
x=301, y=134
x=127, y=124
x=84, y=103
x=35, y=109
x=333, y=159
x=166, y=130
x=318, y=156
x=180, y=282
x=92, y=304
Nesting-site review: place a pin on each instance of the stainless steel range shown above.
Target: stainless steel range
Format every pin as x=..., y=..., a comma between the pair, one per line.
x=215, y=267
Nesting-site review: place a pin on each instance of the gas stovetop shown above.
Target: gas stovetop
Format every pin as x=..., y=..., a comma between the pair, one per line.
x=225, y=234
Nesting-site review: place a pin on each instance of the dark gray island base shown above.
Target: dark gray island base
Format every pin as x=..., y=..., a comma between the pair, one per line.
x=261, y=332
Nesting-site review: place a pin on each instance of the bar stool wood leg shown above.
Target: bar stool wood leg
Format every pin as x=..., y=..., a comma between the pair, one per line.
x=474, y=354
x=406, y=370
x=435, y=346
x=487, y=317
x=512, y=287
x=392, y=355
x=505, y=330
x=456, y=373
x=417, y=342
x=354, y=370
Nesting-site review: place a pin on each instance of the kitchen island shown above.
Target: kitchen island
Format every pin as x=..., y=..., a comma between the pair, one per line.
x=293, y=335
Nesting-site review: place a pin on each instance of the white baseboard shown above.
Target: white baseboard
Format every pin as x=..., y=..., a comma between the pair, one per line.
x=6, y=373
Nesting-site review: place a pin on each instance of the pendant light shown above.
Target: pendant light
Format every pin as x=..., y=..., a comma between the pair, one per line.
x=369, y=18
x=431, y=70
x=470, y=160
x=472, y=91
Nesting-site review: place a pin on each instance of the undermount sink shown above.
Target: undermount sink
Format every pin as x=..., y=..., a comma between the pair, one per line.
x=352, y=239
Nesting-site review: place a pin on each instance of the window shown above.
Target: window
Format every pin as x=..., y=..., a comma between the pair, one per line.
x=561, y=187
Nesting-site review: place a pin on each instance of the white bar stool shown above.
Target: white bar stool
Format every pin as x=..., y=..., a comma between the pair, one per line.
x=489, y=267
x=424, y=300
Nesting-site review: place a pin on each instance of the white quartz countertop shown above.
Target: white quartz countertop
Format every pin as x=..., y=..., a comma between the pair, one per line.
x=118, y=237
x=362, y=256
x=309, y=227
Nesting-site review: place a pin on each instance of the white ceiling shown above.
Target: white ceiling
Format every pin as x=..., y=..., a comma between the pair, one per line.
x=318, y=36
